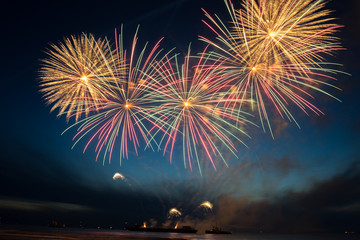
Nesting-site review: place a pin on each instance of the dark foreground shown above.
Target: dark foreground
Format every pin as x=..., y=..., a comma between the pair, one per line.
x=35, y=235
x=46, y=233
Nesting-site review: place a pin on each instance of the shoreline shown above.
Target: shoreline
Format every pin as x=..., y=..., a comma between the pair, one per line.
x=14, y=234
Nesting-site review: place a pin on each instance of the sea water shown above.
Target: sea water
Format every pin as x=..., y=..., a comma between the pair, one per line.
x=197, y=236
x=235, y=236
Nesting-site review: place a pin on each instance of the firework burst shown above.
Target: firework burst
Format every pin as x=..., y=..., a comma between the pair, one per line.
x=123, y=111
x=192, y=112
x=275, y=32
x=270, y=57
x=273, y=52
x=79, y=68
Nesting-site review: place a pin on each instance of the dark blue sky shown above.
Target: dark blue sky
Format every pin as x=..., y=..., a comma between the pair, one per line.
x=306, y=179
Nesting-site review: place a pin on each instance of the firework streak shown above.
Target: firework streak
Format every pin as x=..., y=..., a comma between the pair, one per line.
x=192, y=111
x=122, y=113
x=273, y=52
x=268, y=58
x=75, y=70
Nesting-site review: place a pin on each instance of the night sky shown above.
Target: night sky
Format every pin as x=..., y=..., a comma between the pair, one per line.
x=304, y=180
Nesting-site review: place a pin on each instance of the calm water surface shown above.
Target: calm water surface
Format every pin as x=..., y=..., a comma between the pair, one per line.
x=199, y=236
x=225, y=236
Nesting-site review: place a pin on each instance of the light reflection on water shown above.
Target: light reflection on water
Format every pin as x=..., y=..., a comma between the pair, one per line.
x=123, y=234
x=223, y=237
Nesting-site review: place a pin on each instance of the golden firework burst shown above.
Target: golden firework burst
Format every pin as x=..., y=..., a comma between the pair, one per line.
x=76, y=71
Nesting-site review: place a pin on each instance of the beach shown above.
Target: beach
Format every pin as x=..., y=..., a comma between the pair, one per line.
x=46, y=233
x=10, y=234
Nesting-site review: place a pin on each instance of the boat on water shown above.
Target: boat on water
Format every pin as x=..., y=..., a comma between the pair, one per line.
x=217, y=230
x=184, y=229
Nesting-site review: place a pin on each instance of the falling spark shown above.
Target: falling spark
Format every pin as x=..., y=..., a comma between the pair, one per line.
x=174, y=212
x=118, y=175
x=207, y=204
